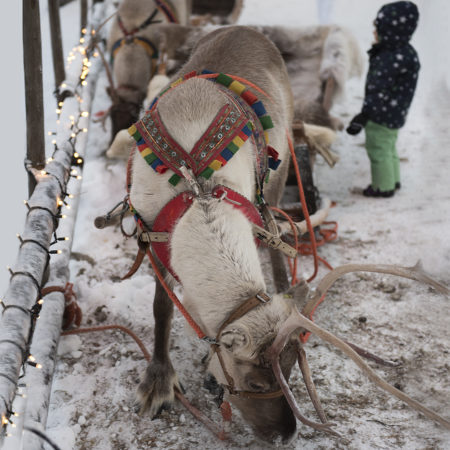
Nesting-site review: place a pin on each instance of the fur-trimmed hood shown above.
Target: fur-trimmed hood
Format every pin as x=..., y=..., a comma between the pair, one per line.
x=396, y=22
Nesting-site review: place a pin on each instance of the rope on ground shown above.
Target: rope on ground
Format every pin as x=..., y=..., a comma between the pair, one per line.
x=304, y=209
x=213, y=427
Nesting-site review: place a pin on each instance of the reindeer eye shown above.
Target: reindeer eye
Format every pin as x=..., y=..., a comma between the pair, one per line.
x=256, y=387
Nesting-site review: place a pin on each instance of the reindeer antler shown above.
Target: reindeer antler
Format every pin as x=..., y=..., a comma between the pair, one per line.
x=413, y=273
x=297, y=320
x=274, y=352
x=310, y=386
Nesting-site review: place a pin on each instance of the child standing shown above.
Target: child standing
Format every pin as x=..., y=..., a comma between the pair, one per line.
x=390, y=86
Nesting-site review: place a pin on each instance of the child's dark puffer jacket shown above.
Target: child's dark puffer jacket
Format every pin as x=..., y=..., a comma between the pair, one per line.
x=393, y=66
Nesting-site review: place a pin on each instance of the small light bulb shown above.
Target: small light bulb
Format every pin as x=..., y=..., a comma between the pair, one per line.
x=84, y=83
x=83, y=30
x=32, y=358
x=73, y=135
x=38, y=366
x=4, y=420
x=71, y=117
x=43, y=172
x=41, y=301
x=85, y=113
x=64, y=85
x=63, y=216
x=58, y=252
x=58, y=111
x=85, y=130
x=79, y=177
x=54, y=141
x=60, y=104
x=49, y=133
x=70, y=196
x=67, y=238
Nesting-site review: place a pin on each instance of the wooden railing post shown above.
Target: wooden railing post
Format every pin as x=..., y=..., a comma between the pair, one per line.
x=34, y=105
x=83, y=14
x=57, y=48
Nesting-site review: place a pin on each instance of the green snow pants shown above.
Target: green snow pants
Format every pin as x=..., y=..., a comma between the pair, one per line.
x=384, y=162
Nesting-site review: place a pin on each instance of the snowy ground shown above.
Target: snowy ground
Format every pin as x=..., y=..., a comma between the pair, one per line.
x=92, y=398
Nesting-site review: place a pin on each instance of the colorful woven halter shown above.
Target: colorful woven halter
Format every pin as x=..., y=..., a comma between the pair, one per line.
x=231, y=127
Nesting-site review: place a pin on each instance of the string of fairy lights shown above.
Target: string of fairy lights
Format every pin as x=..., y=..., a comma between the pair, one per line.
x=74, y=126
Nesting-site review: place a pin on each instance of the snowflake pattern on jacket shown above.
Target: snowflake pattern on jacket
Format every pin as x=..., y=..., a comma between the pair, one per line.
x=393, y=66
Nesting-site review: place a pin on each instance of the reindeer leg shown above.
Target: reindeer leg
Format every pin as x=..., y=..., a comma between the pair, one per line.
x=280, y=277
x=157, y=388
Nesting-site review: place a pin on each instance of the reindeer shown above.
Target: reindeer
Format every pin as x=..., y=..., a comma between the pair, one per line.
x=206, y=218
x=133, y=46
x=319, y=60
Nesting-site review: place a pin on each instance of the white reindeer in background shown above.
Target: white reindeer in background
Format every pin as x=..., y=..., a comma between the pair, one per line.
x=133, y=47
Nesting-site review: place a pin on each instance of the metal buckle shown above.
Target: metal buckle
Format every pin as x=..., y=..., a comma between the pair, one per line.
x=210, y=340
x=190, y=178
x=262, y=299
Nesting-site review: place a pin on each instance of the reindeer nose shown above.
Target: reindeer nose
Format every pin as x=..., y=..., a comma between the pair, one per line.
x=282, y=425
x=271, y=419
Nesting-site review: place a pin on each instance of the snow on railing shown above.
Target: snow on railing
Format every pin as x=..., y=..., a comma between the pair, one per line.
x=30, y=325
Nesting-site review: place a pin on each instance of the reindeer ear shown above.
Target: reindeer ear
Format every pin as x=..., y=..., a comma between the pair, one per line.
x=298, y=293
x=234, y=339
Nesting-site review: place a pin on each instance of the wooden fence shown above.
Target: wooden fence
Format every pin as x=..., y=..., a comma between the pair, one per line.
x=28, y=345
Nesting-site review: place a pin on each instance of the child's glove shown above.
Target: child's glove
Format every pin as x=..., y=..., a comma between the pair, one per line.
x=357, y=124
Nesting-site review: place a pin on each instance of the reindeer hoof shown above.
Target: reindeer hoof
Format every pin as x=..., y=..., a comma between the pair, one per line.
x=157, y=389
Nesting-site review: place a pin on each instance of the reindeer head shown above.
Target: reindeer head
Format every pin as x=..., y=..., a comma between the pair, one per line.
x=123, y=112
x=243, y=365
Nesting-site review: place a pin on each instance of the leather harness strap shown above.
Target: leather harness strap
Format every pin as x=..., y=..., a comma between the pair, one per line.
x=240, y=311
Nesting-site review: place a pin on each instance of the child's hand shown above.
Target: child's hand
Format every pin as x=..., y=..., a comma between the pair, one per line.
x=357, y=124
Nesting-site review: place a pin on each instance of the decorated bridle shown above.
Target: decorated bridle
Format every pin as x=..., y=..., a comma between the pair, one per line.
x=243, y=117
x=132, y=37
